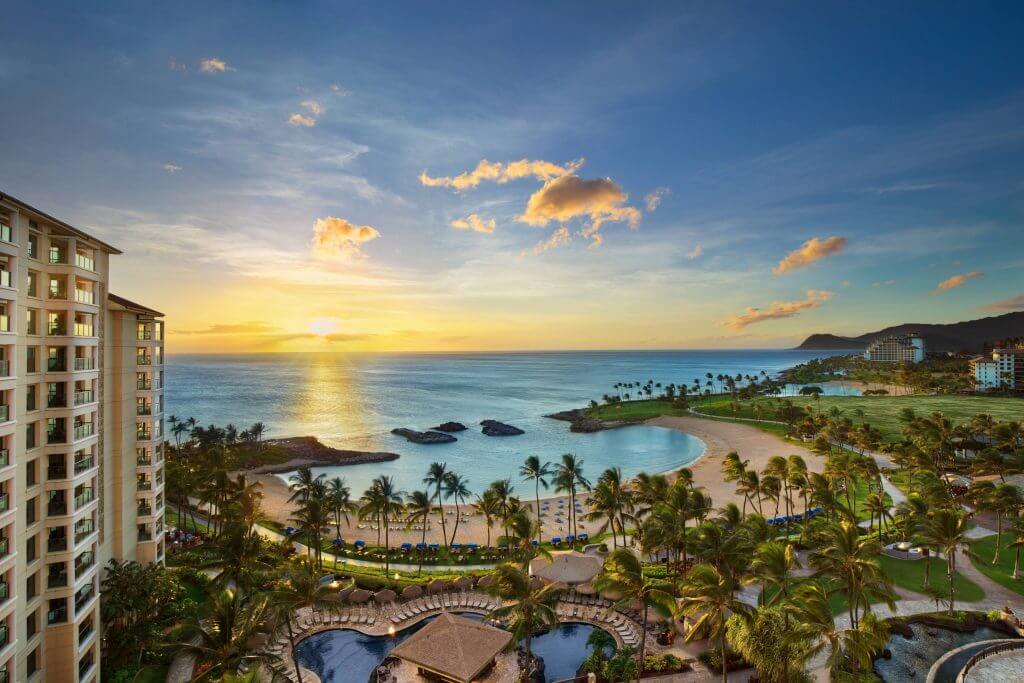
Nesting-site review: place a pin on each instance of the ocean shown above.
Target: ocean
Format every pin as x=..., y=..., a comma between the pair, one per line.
x=354, y=400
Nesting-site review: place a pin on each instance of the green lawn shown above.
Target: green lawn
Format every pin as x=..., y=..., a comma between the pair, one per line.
x=909, y=574
x=881, y=412
x=1001, y=573
x=636, y=411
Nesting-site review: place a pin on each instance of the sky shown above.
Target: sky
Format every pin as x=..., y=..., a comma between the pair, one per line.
x=516, y=176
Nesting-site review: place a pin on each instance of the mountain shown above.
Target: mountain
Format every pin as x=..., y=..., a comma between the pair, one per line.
x=968, y=335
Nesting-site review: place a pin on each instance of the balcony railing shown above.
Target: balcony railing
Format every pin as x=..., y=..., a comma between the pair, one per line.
x=5, y=368
x=56, y=436
x=83, y=464
x=84, y=364
x=57, y=293
x=57, y=544
x=84, y=296
x=58, y=256
x=143, y=409
x=57, y=507
x=5, y=278
x=85, y=629
x=56, y=329
x=143, y=384
x=5, y=413
x=6, y=234
x=4, y=639
x=145, y=535
x=143, y=461
x=83, y=532
x=57, y=616
x=144, y=485
x=142, y=434
x=144, y=359
x=144, y=510
x=83, y=430
x=56, y=401
x=83, y=261
x=56, y=365
x=5, y=546
x=84, y=396
x=84, y=561
x=83, y=330
x=5, y=457
x=5, y=502
x=57, y=580
x=57, y=471
x=144, y=334
x=85, y=666
x=83, y=498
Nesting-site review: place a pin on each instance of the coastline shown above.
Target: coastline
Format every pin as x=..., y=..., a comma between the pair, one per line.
x=310, y=451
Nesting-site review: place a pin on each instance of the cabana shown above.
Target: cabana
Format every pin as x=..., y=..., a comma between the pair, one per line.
x=453, y=649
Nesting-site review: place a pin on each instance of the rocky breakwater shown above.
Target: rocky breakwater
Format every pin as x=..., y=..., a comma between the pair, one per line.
x=579, y=421
x=308, y=451
x=426, y=438
x=450, y=427
x=495, y=428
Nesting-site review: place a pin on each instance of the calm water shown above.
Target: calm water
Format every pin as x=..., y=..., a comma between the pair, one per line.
x=354, y=400
x=913, y=657
x=346, y=656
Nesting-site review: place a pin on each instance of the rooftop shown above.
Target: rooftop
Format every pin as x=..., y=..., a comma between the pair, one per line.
x=132, y=306
x=28, y=208
x=454, y=647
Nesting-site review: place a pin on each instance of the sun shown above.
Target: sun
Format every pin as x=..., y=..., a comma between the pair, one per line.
x=323, y=326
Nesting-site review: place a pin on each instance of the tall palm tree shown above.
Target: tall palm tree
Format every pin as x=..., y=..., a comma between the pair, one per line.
x=311, y=517
x=385, y=499
x=435, y=477
x=876, y=506
x=710, y=596
x=502, y=491
x=301, y=588
x=623, y=573
x=489, y=506
x=520, y=533
x=946, y=529
x=456, y=487
x=529, y=610
x=850, y=563
x=773, y=564
x=568, y=479
x=339, y=498
x=418, y=506
x=534, y=470
x=303, y=484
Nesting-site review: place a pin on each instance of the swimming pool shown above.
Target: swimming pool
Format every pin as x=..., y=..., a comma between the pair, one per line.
x=347, y=656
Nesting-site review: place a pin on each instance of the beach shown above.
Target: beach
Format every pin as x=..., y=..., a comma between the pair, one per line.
x=720, y=437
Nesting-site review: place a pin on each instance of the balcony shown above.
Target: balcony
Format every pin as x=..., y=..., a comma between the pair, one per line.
x=58, y=293
x=5, y=368
x=144, y=359
x=57, y=616
x=5, y=278
x=84, y=364
x=5, y=323
x=4, y=639
x=85, y=666
x=5, y=591
x=84, y=498
x=83, y=532
x=5, y=457
x=84, y=396
x=142, y=434
x=83, y=464
x=83, y=430
x=6, y=234
x=5, y=546
x=56, y=401
x=84, y=562
x=143, y=461
x=143, y=409
x=145, y=535
x=57, y=544
x=83, y=261
x=56, y=364
x=84, y=296
x=57, y=579
x=84, y=330
x=56, y=436
x=144, y=485
x=144, y=334
x=57, y=471
x=85, y=629
x=57, y=507
x=5, y=413
x=144, y=510
x=144, y=385
x=5, y=502
x=57, y=329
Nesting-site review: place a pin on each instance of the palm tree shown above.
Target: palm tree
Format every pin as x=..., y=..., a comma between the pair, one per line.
x=301, y=588
x=456, y=488
x=876, y=506
x=623, y=573
x=311, y=517
x=220, y=640
x=773, y=565
x=529, y=610
x=710, y=596
x=946, y=529
x=569, y=476
x=418, y=506
x=339, y=499
x=489, y=506
x=303, y=484
x=257, y=430
x=520, y=535
x=435, y=477
x=850, y=563
x=384, y=498
x=502, y=492
x=533, y=469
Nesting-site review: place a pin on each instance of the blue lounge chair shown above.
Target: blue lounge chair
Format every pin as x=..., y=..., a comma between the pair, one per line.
x=360, y=543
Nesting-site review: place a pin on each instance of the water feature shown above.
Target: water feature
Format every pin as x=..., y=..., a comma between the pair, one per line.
x=347, y=656
x=913, y=657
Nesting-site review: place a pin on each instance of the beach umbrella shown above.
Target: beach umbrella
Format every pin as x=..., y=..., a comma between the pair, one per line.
x=411, y=592
x=384, y=596
x=337, y=542
x=421, y=546
x=360, y=543
x=359, y=596
x=473, y=546
x=435, y=586
x=456, y=546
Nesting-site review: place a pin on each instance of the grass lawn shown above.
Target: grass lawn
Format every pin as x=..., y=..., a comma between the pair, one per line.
x=1001, y=573
x=881, y=412
x=909, y=574
x=636, y=411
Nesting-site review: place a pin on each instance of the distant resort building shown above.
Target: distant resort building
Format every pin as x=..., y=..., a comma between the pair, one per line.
x=896, y=349
x=1003, y=369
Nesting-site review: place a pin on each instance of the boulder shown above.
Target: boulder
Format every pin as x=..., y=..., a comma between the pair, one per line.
x=449, y=427
x=429, y=437
x=495, y=428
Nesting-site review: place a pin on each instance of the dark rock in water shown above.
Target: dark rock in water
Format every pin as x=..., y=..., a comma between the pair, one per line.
x=450, y=427
x=495, y=428
x=429, y=437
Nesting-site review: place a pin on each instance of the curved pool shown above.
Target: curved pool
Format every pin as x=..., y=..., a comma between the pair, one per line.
x=347, y=656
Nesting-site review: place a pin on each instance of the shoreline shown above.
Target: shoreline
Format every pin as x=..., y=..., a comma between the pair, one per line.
x=310, y=451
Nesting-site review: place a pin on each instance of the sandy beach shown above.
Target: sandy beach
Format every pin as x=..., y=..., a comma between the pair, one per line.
x=719, y=437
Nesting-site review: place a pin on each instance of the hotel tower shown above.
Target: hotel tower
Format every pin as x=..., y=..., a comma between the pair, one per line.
x=81, y=442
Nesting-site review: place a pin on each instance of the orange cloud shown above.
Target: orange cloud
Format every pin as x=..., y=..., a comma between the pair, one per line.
x=314, y=107
x=475, y=223
x=501, y=173
x=956, y=281
x=1014, y=303
x=302, y=120
x=569, y=197
x=337, y=237
x=810, y=251
x=557, y=239
x=213, y=65
x=779, y=309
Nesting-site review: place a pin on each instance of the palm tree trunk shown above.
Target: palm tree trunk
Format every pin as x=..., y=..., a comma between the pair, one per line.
x=387, y=544
x=295, y=655
x=540, y=525
x=643, y=646
x=721, y=648
x=444, y=531
x=423, y=541
x=950, y=572
x=999, y=536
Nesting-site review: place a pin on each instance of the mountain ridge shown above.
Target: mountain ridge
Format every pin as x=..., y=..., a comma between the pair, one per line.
x=966, y=335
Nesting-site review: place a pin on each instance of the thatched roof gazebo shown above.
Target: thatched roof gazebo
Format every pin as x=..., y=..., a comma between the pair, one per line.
x=569, y=568
x=453, y=648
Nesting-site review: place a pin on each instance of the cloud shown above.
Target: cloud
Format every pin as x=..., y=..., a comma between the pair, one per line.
x=337, y=237
x=779, y=309
x=174, y=65
x=600, y=200
x=653, y=199
x=883, y=283
x=171, y=168
x=557, y=239
x=251, y=327
x=1014, y=303
x=695, y=252
x=501, y=173
x=810, y=251
x=956, y=281
x=314, y=107
x=339, y=91
x=475, y=223
x=301, y=120
x=213, y=65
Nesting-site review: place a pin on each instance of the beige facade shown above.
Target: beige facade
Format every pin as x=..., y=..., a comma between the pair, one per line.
x=81, y=458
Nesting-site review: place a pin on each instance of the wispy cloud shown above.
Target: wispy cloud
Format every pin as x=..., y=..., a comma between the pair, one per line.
x=171, y=168
x=337, y=237
x=174, y=65
x=501, y=173
x=778, y=310
x=1014, y=303
x=557, y=239
x=339, y=91
x=956, y=281
x=695, y=253
x=883, y=283
x=214, y=65
x=301, y=120
x=314, y=107
x=475, y=223
x=810, y=251
x=653, y=198
x=250, y=327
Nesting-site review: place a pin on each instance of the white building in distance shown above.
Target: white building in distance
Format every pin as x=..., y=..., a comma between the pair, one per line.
x=896, y=349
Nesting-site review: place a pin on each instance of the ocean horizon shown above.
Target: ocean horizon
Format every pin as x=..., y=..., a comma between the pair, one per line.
x=353, y=400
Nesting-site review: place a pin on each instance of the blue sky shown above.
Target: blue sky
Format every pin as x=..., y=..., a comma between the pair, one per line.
x=208, y=140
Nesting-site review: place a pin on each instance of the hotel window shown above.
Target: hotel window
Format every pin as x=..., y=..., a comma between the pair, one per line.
x=31, y=552
x=30, y=398
x=31, y=359
x=33, y=245
x=56, y=323
x=32, y=585
x=5, y=318
x=31, y=321
x=33, y=283
x=32, y=662
x=31, y=472
x=58, y=287
x=58, y=252
x=30, y=435
x=30, y=512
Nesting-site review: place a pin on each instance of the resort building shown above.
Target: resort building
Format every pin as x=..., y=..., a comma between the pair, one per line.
x=1002, y=370
x=81, y=457
x=896, y=349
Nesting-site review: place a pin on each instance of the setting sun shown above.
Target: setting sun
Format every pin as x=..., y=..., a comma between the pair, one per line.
x=323, y=326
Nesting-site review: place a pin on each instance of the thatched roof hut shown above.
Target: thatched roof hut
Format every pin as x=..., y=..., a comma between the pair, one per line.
x=454, y=648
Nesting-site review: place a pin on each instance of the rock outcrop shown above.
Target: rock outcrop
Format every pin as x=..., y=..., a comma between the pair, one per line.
x=495, y=428
x=426, y=438
x=580, y=422
x=449, y=427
